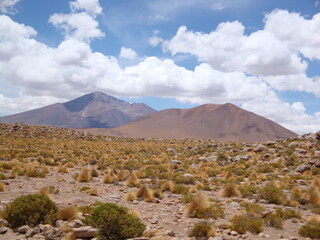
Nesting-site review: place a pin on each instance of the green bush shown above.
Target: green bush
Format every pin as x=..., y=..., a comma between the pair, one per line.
x=115, y=223
x=273, y=220
x=243, y=223
x=311, y=230
x=248, y=191
x=213, y=211
x=31, y=210
x=202, y=230
x=272, y=195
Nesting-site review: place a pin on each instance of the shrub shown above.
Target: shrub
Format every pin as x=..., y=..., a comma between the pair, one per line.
x=272, y=195
x=287, y=213
x=145, y=193
x=230, y=190
x=187, y=197
x=203, y=230
x=248, y=191
x=254, y=209
x=313, y=195
x=31, y=210
x=311, y=230
x=67, y=213
x=273, y=220
x=244, y=223
x=168, y=186
x=132, y=180
x=84, y=176
x=108, y=179
x=180, y=189
x=131, y=196
x=94, y=172
x=115, y=223
x=199, y=207
x=2, y=187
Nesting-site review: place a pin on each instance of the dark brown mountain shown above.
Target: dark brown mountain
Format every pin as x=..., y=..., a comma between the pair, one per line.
x=211, y=121
x=94, y=110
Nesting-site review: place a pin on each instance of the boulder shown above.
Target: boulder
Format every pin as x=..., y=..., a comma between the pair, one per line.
x=23, y=229
x=85, y=232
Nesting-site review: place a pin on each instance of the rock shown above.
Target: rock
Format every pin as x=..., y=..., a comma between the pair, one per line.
x=234, y=205
x=31, y=232
x=3, y=230
x=170, y=233
x=301, y=151
x=53, y=234
x=75, y=223
x=260, y=148
x=302, y=168
x=23, y=229
x=85, y=232
x=139, y=238
x=293, y=145
x=216, y=238
x=4, y=222
x=154, y=221
x=59, y=223
x=233, y=233
x=176, y=162
x=317, y=164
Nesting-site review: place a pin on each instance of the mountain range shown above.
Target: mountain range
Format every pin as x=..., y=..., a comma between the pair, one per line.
x=94, y=110
x=103, y=114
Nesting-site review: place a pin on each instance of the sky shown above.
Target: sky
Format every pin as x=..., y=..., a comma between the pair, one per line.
x=263, y=56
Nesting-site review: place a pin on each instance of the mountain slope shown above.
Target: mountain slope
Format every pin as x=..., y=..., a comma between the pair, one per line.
x=211, y=121
x=94, y=110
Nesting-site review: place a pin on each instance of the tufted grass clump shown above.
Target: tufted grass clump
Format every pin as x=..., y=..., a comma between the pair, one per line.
x=115, y=222
x=2, y=188
x=68, y=213
x=84, y=176
x=202, y=230
x=31, y=210
x=230, y=190
x=199, y=207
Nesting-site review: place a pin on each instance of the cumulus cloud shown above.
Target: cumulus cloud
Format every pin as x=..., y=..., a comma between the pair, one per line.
x=128, y=53
x=229, y=49
x=80, y=25
x=7, y=6
x=91, y=6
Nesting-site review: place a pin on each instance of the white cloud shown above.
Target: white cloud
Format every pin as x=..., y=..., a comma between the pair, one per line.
x=218, y=6
x=128, y=53
x=7, y=6
x=155, y=41
x=296, y=32
x=81, y=26
x=91, y=6
x=229, y=49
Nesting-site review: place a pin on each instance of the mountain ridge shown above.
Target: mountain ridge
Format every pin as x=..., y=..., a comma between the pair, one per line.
x=90, y=110
x=210, y=121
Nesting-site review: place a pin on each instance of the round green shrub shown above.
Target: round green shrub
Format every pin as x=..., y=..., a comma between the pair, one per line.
x=202, y=231
x=310, y=230
x=115, y=222
x=31, y=210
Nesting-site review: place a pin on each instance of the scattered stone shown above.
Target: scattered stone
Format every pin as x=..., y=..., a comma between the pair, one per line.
x=293, y=145
x=31, y=232
x=75, y=223
x=302, y=168
x=85, y=232
x=176, y=162
x=23, y=229
x=3, y=230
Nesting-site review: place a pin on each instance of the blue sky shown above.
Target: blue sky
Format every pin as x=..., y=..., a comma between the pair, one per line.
x=263, y=56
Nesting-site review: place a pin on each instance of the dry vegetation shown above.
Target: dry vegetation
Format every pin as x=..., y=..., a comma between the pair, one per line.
x=241, y=187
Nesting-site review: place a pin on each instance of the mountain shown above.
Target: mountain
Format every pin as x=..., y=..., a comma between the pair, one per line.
x=210, y=121
x=94, y=110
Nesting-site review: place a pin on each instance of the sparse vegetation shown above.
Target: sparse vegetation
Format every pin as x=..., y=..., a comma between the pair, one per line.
x=203, y=231
x=115, y=222
x=31, y=210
